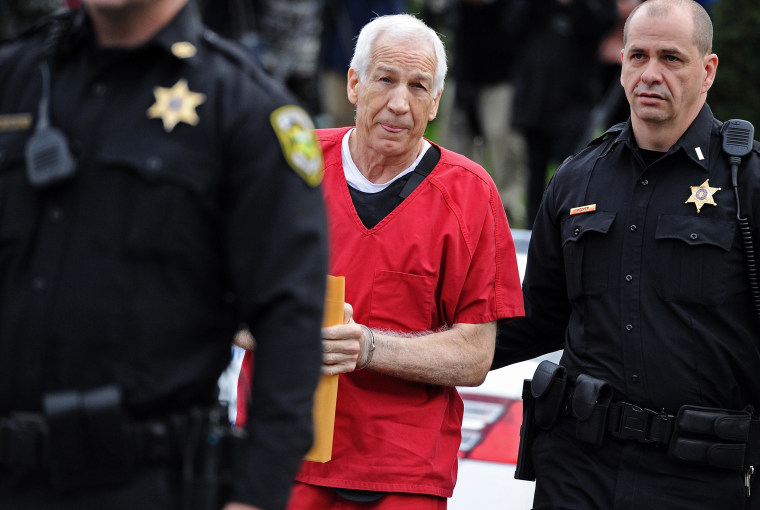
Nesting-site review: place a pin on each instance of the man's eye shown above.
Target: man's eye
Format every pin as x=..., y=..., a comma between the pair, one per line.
x=385, y=79
x=671, y=58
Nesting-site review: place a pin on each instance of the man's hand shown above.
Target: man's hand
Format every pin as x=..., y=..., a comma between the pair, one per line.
x=240, y=506
x=344, y=347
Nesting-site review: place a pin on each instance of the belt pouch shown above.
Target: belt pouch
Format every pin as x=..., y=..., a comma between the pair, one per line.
x=88, y=440
x=716, y=437
x=591, y=401
x=548, y=390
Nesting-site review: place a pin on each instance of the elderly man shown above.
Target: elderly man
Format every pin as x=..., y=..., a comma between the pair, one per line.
x=421, y=237
x=637, y=268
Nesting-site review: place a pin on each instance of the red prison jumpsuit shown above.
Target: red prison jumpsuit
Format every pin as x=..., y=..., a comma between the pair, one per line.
x=445, y=255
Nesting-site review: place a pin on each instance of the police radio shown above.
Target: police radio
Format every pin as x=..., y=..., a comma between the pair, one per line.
x=738, y=136
x=48, y=158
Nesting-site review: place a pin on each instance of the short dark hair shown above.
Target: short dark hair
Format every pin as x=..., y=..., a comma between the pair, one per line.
x=703, y=28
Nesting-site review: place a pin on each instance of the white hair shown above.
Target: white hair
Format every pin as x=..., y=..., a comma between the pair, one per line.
x=398, y=26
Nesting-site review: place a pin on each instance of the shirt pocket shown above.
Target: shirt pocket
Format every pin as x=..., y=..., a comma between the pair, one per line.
x=402, y=301
x=691, y=255
x=18, y=201
x=171, y=213
x=586, y=253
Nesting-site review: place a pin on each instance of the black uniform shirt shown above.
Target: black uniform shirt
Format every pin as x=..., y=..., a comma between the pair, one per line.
x=642, y=290
x=138, y=270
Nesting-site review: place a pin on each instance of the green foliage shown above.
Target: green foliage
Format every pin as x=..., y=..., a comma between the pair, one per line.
x=736, y=91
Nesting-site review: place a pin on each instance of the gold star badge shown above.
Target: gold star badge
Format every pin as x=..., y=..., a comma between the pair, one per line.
x=702, y=194
x=176, y=105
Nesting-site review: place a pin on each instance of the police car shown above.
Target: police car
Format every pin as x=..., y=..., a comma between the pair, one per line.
x=490, y=427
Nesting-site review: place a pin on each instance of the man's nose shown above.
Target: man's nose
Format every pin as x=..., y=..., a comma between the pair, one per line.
x=652, y=73
x=399, y=100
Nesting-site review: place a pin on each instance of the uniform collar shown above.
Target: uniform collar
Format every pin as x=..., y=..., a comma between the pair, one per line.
x=694, y=142
x=185, y=27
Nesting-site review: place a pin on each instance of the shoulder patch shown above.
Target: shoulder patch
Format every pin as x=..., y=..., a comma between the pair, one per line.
x=295, y=131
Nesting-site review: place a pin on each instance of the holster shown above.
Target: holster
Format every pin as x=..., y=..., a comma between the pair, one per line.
x=591, y=401
x=542, y=402
x=524, y=469
x=211, y=460
x=715, y=437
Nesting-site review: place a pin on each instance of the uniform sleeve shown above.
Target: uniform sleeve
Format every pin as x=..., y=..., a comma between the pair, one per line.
x=276, y=237
x=547, y=308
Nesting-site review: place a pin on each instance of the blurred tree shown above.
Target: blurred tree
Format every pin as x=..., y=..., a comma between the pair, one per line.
x=736, y=91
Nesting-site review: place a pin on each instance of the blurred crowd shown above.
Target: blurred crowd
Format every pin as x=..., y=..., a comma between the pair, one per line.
x=531, y=81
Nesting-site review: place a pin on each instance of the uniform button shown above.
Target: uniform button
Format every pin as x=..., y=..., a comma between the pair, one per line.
x=99, y=89
x=628, y=278
x=154, y=164
x=56, y=215
x=39, y=284
x=629, y=327
x=577, y=232
x=693, y=235
x=633, y=228
x=635, y=378
x=644, y=182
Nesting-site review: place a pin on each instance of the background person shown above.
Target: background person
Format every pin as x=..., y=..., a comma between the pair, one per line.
x=636, y=269
x=188, y=206
x=555, y=80
x=484, y=49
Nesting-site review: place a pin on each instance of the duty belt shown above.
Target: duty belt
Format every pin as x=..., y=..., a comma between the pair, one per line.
x=86, y=439
x=25, y=441
x=722, y=438
x=717, y=437
x=629, y=421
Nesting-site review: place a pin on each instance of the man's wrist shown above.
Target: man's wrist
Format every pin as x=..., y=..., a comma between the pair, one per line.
x=369, y=350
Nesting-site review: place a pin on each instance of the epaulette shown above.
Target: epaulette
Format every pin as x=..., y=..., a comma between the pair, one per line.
x=235, y=52
x=608, y=136
x=613, y=131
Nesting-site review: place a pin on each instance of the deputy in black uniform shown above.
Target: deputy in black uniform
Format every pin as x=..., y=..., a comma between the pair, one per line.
x=156, y=192
x=636, y=268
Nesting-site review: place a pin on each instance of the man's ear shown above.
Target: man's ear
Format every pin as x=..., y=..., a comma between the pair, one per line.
x=711, y=68
x=434, y=109
x=351, y=86
x=622, y=56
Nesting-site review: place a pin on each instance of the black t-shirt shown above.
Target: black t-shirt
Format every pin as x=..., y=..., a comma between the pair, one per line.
x=373, y=207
